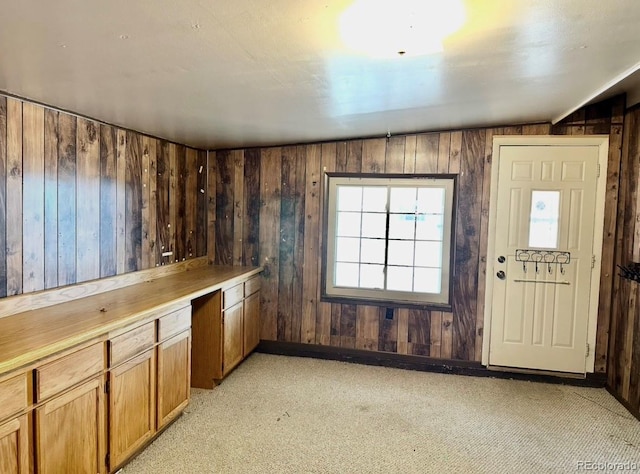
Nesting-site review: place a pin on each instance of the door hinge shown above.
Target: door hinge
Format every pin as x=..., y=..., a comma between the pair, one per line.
x=593, y=261
x=588, y=348
x=598, y=171
x=107, y=460
x=106, y=387
x=223, y=319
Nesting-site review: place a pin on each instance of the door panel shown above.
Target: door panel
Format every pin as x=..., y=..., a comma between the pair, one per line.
x=546, y=201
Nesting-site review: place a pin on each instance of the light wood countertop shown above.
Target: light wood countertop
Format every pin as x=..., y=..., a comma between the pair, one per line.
x=29, y=336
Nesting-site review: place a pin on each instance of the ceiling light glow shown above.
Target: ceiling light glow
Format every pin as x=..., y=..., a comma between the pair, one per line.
x=379, y=28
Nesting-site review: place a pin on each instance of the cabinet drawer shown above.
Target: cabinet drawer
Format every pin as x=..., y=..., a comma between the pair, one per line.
x=233, y=296
x=130, y=343
x=13, y=396
x=251, y=286
x=56, y=376
x=174, y=323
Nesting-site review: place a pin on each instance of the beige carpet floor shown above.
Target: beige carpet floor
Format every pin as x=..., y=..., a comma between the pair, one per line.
x=277, y=414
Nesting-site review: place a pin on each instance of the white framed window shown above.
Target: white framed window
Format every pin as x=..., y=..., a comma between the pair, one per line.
x=388, y=238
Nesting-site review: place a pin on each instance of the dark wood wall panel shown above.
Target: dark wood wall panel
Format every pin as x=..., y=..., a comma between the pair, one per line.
x=33, y=197
x=108, y=200
x=280, y=200
x=87, y=200
x=14, y=197
x=81, y=200
x=624, y=341
x=66, y=199
x=50, y=198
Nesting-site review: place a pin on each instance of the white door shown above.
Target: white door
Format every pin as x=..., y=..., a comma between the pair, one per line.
x=545, y=220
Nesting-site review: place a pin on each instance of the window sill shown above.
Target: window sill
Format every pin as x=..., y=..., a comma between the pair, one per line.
x=387, y=303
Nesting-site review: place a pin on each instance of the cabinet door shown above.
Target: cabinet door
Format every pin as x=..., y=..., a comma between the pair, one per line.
x=71, y=432
x=232, y=337
x=251, y=323
x=132, y=410
x=174, y=376
x=14, y=446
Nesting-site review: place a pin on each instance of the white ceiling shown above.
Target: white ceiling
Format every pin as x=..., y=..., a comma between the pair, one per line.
x=214, y=74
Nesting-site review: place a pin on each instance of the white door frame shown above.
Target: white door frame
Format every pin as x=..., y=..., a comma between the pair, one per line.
x=601, y=141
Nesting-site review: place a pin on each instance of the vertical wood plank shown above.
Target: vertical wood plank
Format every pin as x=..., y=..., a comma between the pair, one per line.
x=616, y=364
x=632, y=252
x=181, y=203
x=133, y=208
x=446, y=344
x=121, y=200
x=270, y=175
x=67, y=128
x=483, y=242
x=238, y=206
x=312, y=251
x=298, y=252
x=174, y=197
x=465, y=285
x=14, y=196
x=108, y=200
x=251, y=227
x=419, y=332
x=328, y=153
x=224, y=229
x=212, y=173
x=444, y=148
x=427, y=152
x=435, y=335
x=394, y=159
x=88, y=200
x=163, y=212
x=605, y=305
x=3, y=196
x=33, y=200
x=201, y=221
x=410, y=154
x=191, y=200
x=145, y=224
x=50, y=198
x=152, y=228
x=287, y=241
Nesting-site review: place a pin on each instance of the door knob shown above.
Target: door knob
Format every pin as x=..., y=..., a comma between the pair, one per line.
x=501, y=259
x=501, y=275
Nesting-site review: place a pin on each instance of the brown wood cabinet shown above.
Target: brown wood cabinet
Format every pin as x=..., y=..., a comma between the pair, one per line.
x=251, y=323
x=111, y=371
x=14, y=446
x=70, y=431
x=226, y=328
x=174, y=376
x=132, y=414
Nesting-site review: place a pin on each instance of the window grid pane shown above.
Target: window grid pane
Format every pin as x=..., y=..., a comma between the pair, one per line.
x=397, y=251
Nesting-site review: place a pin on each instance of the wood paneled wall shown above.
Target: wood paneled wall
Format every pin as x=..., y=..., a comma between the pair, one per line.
x=267, y=211
x=624, y=352
x=81, y=200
